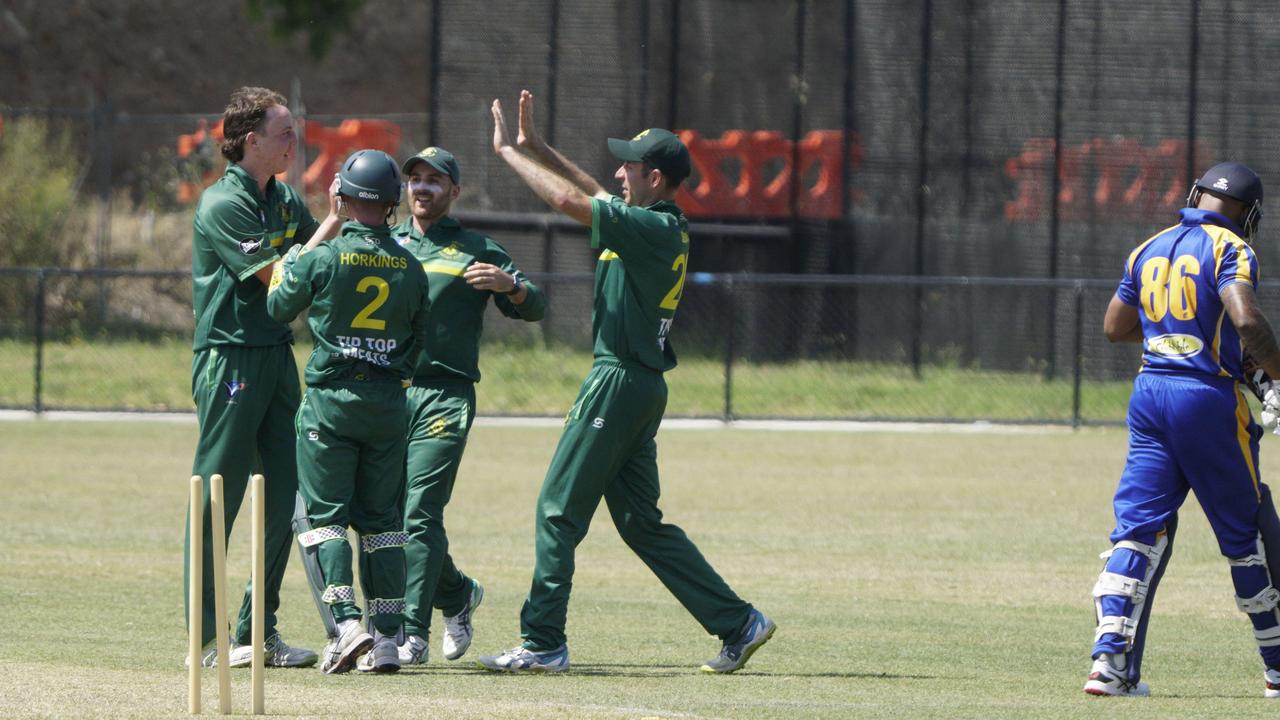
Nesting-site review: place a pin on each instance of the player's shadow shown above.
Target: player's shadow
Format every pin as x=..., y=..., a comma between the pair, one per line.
x=641, y=671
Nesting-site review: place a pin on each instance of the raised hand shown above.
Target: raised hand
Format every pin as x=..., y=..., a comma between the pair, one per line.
x=501, y=139
x=527, y=136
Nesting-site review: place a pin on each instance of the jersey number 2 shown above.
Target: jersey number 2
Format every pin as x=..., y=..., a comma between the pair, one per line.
x=364, y=318
x=1169, y=289
x=673, y=298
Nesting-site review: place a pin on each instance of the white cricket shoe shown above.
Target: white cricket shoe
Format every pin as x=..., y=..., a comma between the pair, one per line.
x=756, y=632
x=208, y=655
x=1272, y=678
x=277, y=653
x=1108, y=676
x=414, y=651
x=457, y=628
x=341, y=652
x=384, y=657
x=520, y=659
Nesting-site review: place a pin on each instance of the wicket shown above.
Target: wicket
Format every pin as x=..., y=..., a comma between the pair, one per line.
x=195, y=601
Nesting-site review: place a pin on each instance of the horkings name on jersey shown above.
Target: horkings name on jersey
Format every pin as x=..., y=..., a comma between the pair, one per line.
x=370, y=349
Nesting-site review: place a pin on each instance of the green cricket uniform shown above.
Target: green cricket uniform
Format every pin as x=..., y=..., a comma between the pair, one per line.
x=442, y=404
x=243, y=377
x=368, y=318
x=608, y=449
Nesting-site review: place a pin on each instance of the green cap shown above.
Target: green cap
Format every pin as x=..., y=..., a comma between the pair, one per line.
x=438, y=158
x=657, y=148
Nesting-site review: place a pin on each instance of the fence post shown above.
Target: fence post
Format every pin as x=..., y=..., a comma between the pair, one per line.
x=298, y=166
x=104, y=119
x=729, y=342
x=1077, y=370
x=922, y=188
x=433, y=77
x=548, y=265
x=1055, y=191
x=37, y=404
x=553, y=69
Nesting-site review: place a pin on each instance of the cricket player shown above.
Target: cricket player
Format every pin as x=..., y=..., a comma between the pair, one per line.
x=243, y=377
x=465, y=269
x=1188, y=294
x=607, y=449
x=368, y=318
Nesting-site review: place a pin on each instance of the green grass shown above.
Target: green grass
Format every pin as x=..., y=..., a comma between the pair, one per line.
x=911, y=575
x=532, y=380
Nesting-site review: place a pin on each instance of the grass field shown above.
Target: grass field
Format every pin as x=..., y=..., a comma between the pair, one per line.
x=533, y=380
x=912, y=575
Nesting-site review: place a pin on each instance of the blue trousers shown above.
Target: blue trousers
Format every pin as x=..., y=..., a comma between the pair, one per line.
x=1189, y=433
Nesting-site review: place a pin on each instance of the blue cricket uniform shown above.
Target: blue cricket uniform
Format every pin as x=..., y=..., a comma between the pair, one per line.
x=1190, y=427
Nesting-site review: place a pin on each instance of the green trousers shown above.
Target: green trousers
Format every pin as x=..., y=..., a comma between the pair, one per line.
x=245, y=399
x=608, y=451
x=350, y=458
x=440, y=417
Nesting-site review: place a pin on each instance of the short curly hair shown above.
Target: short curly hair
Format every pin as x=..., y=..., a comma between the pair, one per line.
x=245, y=113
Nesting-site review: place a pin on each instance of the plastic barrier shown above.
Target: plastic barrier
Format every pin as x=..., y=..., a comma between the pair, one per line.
x=1104, y=180
x=331, y=146
x=762, y=162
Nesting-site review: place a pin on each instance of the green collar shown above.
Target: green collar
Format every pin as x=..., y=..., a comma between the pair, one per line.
x=351, y=227
x=408, y=228
x=666, y=206
x=241, y=177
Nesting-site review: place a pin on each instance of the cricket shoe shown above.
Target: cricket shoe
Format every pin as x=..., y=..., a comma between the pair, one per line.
x=1109, y=677
x=1272, y=678
x=414, y=651
x=521, y=659
x=341, y=652
x=208, y=655
x=276, y=653
x=383, y=657
x=457, y=628
x=756, y=632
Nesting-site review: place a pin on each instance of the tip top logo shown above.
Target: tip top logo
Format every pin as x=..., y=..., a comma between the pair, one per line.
x=1221, y=184
x=233, y=390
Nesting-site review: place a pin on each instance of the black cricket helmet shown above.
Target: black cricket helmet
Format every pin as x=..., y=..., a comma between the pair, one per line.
x=1238, y=182
x=370, y=175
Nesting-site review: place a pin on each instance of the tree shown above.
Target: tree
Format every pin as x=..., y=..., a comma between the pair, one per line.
x=321, y=20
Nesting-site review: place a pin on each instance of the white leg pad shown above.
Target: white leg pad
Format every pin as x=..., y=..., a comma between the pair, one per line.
x=1267, y=599
x=1118, y=624
x=1110, y=584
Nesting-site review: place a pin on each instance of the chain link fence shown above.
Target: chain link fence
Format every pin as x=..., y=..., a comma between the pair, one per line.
x=941, y=348
x=893, y=199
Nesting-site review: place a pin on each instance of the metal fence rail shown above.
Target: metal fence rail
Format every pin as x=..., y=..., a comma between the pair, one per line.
x=751, y=346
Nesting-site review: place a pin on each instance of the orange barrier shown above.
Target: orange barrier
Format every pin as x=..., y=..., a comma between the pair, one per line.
x=1129, y=182
x=762, y=160
x=335, y=144
x=331, y=145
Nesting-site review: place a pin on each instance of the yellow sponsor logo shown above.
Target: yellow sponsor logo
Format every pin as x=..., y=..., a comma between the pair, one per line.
x=608, y=255
x=277, y=276
x=437, y=428
x=1175, y=346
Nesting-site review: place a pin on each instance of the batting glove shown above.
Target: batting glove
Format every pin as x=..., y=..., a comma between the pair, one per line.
x=1271, y=408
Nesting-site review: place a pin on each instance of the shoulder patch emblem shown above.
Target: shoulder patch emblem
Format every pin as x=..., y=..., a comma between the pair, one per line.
x=250, y=246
